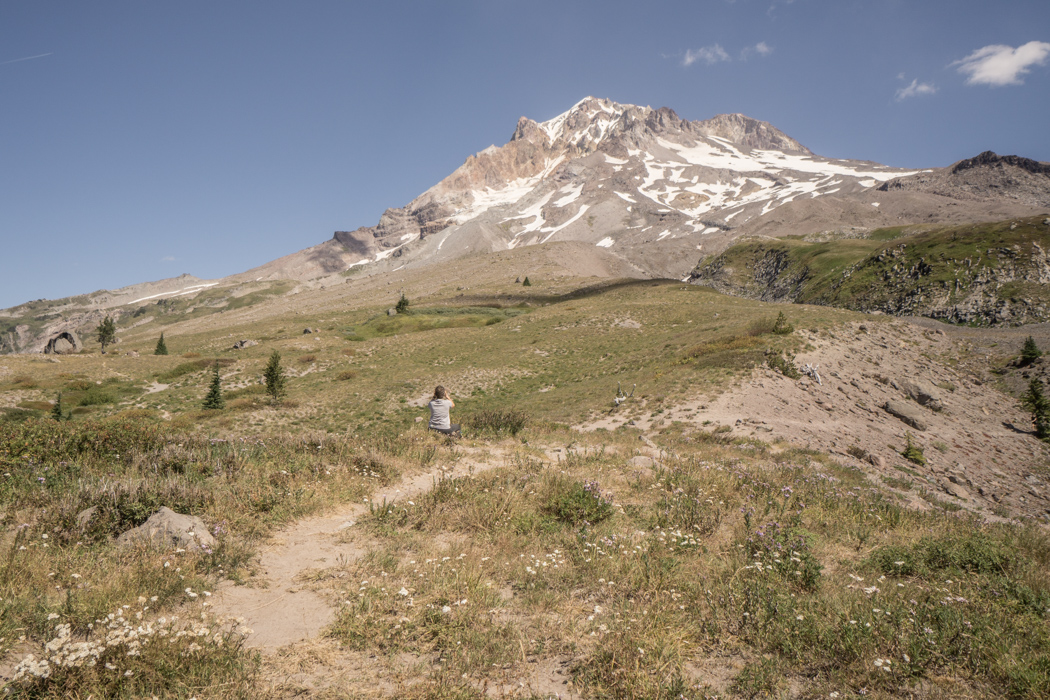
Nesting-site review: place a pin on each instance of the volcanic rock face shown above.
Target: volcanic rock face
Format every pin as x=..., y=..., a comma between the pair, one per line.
x=660, y=192
x=985, y=177
x=641, y=182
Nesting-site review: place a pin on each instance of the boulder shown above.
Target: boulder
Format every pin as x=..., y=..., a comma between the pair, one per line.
x=307, y=331
x=241, y=344
x=907, y=413
x=642, y=462
x=391, y=312
x=63, y=343
x=85, y=517
x=924, y=393
x=167, y=529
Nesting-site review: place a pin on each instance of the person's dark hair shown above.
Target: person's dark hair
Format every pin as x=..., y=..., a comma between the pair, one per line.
x=440, y=393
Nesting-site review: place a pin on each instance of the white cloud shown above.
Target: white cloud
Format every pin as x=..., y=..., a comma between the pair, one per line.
x=761, y=48
x=168, y=258
x=1002, y=65
x=708, y=54
x=915, y=89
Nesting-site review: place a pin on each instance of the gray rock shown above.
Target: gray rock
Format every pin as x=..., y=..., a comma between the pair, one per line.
x=241, y=344
x=85, y=517
x=391, y=312
x=642, y=461
x=167, y=529
x=957, y=490
x=307, y=331
x=63, y=343
x=908, y=413
x=924, y=393
x=876, y=461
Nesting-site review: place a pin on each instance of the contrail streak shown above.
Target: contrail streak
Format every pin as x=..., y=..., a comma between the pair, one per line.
x=27, y=58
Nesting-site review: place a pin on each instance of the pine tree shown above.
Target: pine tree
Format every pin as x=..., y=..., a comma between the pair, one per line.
x=1030, y=352
x=107, y=333
x=273, y=375
x=912, y=452
x=402, y=304
x=1036, y=403
x=781, y=325
x=162, y=348
x=56, y=410
x=214, y=398
x=526, y=283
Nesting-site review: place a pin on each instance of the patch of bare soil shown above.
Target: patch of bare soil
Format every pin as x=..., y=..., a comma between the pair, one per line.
x=980, y=451
x=279, y=604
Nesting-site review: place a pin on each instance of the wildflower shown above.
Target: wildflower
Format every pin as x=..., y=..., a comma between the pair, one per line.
x=800, y=618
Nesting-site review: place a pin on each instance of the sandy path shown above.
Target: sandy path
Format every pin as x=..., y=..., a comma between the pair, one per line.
x=279, y=606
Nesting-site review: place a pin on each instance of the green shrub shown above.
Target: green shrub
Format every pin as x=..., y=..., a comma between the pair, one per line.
x=579, y=503
x=912, y=452
x=498, y=421
x=783, y=363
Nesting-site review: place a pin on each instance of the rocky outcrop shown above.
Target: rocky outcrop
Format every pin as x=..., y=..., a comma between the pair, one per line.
x=988, y=274
x=985, y=177
x=907, y=413
x=923, y=393
x=63, y=343
x=167, y=529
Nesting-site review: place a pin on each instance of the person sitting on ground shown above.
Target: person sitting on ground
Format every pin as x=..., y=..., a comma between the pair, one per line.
x=439, y=407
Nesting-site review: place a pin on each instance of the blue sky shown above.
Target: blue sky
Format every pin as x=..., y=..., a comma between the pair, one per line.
x=141, y=140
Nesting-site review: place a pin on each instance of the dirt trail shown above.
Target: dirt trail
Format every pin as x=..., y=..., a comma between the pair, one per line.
x=279, y=607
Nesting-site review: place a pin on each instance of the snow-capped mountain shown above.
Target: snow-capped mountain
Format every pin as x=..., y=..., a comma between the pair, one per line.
x=648, y=186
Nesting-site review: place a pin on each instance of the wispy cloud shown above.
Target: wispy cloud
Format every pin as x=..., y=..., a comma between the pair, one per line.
x=26, y=58
x=915, y=89
x=168, y=258
x=708, y=54
x=761, y=48
x=997, y=64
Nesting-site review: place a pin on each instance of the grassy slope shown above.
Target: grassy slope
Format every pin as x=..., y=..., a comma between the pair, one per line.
x=880, y=271
x=654, y=597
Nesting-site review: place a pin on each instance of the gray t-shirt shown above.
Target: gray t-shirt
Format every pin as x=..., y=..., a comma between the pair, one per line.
x=439, y=413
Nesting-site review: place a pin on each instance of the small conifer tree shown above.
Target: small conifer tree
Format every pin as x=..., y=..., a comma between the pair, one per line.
x=781, y=325
x=273, y=375
x=107, y=333
x=162, y=348
x=912, y=452
x=1030, y=352
x=214, y=398
x=56, y=410
x=402, y=304
x=526, y=283
x=1035, y=402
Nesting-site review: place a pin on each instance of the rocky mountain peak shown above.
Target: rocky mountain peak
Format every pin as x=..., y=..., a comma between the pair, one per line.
x=743, y=130
x=989, y=158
